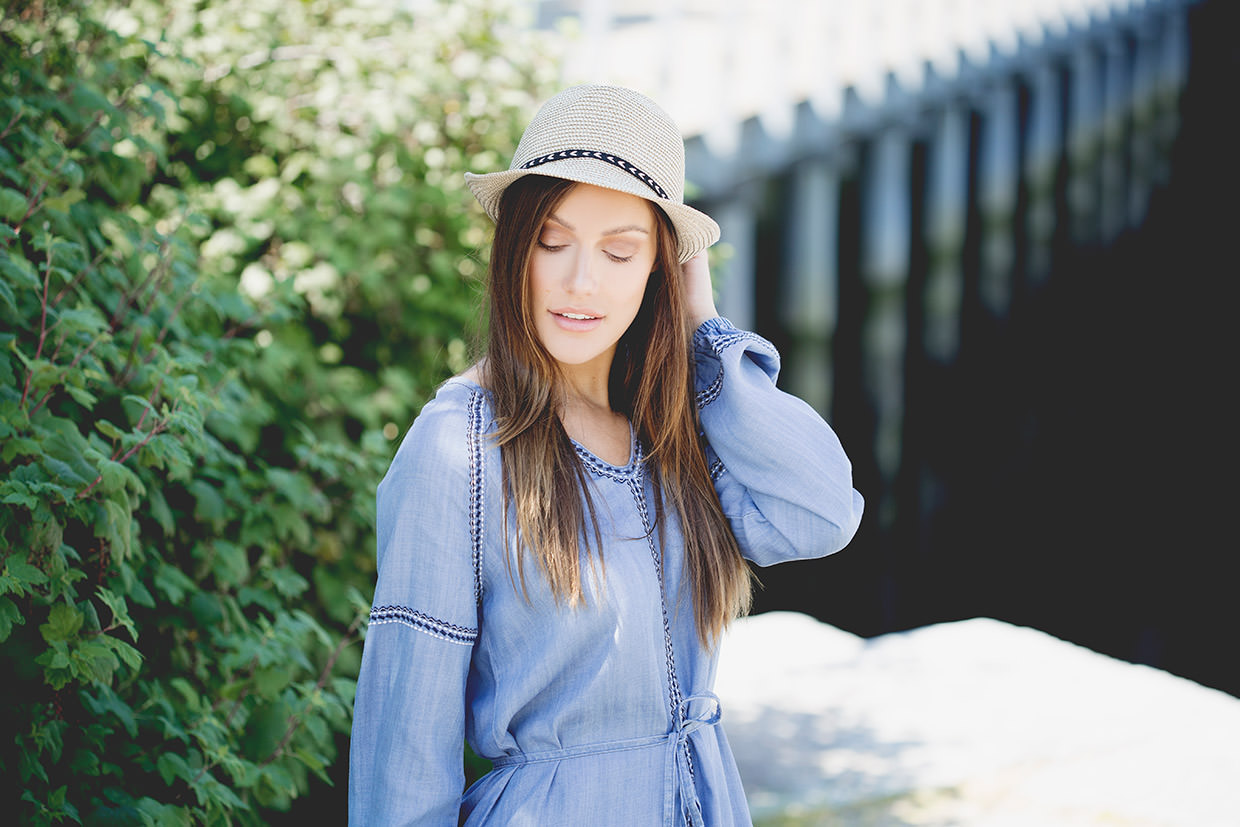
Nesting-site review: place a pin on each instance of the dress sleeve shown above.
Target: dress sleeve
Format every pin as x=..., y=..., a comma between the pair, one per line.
x=405, y=761
x=782, y=476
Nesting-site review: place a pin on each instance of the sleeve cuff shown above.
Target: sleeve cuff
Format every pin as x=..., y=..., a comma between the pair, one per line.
x=709, y=330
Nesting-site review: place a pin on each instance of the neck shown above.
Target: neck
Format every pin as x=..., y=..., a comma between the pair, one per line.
x=587, y=393
x=585, y=386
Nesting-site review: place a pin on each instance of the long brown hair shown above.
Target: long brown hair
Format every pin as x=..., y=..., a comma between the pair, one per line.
x=541, y=467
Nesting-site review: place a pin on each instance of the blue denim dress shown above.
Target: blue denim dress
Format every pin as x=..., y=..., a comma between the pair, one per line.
x=592, y=715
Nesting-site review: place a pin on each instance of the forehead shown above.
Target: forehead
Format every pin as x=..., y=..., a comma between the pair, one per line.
x=597, y=209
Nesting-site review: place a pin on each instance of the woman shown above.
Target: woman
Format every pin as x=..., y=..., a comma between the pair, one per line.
x=562, y=534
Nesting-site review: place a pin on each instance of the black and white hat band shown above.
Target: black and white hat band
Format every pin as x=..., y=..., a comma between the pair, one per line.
x=565, y=154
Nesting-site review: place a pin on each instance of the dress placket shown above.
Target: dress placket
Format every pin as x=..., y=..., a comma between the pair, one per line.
x=684, y=718
x=686, y=713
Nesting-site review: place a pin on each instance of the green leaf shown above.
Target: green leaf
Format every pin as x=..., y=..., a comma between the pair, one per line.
x=65, y=200
x=173, y=583
x=251, y=596
x=266, y=727
x=207, y=609
x=115, y=525
x=82, y=396
x=286, y=581
x=120, y=612
x=173, y=767
x=56, y=665
x=102, y=700
x=63, y=623
x=316, y=763
x=18, y=270
x=60, y=806
x=157, y=814
x=129, y=656
x=210, y=505
x=24, y=576
x=21, y=497
x=116, y=476
x=157, y=509
x=12, y=205
x=95, y=660
x=231, y=564
x=109, y=430
x=18, y=446
x=62, y=471
x=10, y=615
x=134, y=588
x=270, y=680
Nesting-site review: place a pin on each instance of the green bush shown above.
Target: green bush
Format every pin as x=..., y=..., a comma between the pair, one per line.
x=187, y=468
x=324, y=142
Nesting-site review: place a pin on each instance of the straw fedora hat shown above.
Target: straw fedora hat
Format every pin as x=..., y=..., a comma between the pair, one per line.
x=611, y=137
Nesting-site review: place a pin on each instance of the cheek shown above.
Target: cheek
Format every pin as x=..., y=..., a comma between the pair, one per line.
x=636, y=291
x=542, y=277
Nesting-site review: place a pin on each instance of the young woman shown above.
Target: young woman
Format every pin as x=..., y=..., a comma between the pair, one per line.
x=562, y=534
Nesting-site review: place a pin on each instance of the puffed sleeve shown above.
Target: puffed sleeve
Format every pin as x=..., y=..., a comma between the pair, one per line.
x=781, y=473
x=405, y=761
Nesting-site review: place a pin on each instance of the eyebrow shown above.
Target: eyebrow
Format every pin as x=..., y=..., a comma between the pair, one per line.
x=627, y=228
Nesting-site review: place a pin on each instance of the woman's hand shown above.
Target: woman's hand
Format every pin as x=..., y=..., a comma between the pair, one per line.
x=699, y=296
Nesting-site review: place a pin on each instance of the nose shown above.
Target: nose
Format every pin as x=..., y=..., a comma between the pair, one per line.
x=579, y=279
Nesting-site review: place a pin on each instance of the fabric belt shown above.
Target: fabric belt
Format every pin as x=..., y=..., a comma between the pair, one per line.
x=690, y=715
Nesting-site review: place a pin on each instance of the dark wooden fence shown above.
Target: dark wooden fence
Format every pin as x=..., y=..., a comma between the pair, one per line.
x=1006, y=289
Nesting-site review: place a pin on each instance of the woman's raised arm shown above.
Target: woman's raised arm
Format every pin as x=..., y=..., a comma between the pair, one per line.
x=782, y=476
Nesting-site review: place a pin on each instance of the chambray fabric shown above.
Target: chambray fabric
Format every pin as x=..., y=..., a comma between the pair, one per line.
x=596, y=715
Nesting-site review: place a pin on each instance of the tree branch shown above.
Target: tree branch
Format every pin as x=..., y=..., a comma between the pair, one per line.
x=47, y=279
x=12, y=121
x=158, y=428
x=294, y=720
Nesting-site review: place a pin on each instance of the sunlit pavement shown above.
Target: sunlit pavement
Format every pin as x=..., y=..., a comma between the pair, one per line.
x=975, y=723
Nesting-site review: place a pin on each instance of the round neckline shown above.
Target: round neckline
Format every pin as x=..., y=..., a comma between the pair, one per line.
x=606, y=468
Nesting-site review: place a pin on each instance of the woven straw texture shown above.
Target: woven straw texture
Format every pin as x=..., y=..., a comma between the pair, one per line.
x=616, y=122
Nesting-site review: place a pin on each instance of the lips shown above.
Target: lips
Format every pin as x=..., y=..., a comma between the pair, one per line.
x=576, y=319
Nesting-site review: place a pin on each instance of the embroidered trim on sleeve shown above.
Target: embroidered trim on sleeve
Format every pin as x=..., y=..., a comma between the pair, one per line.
x=477, y=483
x=717, y=345
x=722, y=343
x=710, y=393
x=423, y=623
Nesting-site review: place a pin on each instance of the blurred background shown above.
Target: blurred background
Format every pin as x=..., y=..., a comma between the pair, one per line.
x=992, y=241
x=989, y=239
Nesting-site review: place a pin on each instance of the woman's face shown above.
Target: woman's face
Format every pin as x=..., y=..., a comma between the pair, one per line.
x=588, y=274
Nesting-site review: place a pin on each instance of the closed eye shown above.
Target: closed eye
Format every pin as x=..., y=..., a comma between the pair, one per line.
x=619, y=259
x=552, y=248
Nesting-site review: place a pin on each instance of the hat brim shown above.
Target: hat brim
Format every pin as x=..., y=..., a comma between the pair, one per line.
x=695, y=230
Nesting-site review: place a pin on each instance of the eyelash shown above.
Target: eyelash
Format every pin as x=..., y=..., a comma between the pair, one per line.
x=555, y=248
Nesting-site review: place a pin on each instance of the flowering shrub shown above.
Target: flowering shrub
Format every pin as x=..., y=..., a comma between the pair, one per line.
x=229, y=275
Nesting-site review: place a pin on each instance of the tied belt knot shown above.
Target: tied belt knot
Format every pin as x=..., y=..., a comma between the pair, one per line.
x=690, y=715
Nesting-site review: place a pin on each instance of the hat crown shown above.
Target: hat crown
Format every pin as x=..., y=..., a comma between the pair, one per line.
x=630, y=128
x=610, y=137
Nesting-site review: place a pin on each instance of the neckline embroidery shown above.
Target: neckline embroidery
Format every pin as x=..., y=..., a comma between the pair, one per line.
x=597, y=465
x=619, y=473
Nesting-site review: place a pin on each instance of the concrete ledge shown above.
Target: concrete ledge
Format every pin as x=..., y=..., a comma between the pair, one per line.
x=976, y=722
